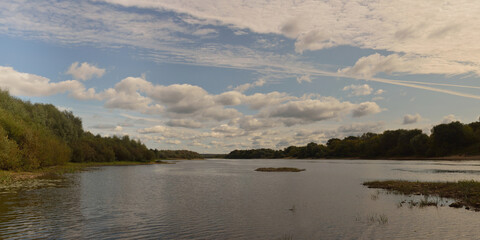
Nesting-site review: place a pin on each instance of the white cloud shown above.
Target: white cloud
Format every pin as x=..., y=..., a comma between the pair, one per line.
x=186, y=123
x=450, y=118
x=103, y=126
x=410, y=119
x=260, y=100
x=313, y=110
x=173, y=141
x=246, y=86
x=359, y=90
x=365, y=108
x=370, y=65
x=85, y=71
x=313, y=40
x=421, y=36
x=230, y=98
x=225, y=128
x=310, y=109
x=250, y=123
x=356, y=129
x=188, y=106
x=304, y=78
x=155, y=129
x=432, y=36
x=26, y=84
x=130, y=101
x=204, y=32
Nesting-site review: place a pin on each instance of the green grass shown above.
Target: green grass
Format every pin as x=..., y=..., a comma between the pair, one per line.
x=466, y=193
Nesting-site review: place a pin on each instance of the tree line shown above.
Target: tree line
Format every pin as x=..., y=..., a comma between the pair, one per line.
x=37, y=135
x=447, y=139
x=176, y=154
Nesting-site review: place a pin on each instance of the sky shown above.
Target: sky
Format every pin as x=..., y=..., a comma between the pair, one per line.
x=213, y=76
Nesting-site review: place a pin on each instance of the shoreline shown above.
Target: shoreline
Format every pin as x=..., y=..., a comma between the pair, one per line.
x=8, y=177
x=446, y=158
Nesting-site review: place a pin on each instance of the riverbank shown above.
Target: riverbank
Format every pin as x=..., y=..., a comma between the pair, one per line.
x=413, y=158
x=10, y=177
x=466, y=193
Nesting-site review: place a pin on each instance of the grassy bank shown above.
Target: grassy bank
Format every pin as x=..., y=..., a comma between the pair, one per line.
x=9, y=177
x=466, y=193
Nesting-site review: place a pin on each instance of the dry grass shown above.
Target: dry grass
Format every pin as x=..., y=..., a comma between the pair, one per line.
x=466, y=193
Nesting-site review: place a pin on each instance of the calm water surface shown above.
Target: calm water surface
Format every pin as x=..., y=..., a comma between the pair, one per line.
x=226, y=199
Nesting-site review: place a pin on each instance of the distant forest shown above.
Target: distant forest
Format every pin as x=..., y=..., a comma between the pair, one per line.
x=445, y=140
x=35, y=136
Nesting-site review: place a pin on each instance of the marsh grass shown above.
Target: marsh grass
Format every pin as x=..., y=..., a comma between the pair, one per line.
x=466, y=193
x=375, y=195
x=357, y=218
x=381, y=219
x=427, y=202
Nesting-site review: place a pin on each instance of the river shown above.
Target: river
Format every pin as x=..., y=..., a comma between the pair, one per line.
x=227, y=199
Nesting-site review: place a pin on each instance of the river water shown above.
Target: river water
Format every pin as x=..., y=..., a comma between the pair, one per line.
x=227, y=199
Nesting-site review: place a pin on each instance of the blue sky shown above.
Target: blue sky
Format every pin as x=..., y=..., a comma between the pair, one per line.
x=213, y=76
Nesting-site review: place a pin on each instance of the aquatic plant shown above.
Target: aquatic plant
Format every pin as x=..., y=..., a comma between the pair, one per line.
x=381, y=219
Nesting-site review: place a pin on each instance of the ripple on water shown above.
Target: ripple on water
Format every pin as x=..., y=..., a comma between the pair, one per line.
x=226, y=199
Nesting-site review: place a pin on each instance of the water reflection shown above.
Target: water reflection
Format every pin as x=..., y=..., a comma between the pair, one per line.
x=226, y=199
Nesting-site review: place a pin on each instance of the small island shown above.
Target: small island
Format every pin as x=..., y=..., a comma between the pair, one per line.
x=466, y=193
x=280, y=169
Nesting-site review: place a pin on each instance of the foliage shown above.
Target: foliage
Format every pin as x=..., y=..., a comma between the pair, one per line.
x=446, y=139
x=27, y=145
x=176, y=154
x=91, y=148
x=34, y=136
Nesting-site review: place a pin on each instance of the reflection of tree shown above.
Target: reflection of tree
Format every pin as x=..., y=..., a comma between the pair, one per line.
x=41, y=209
